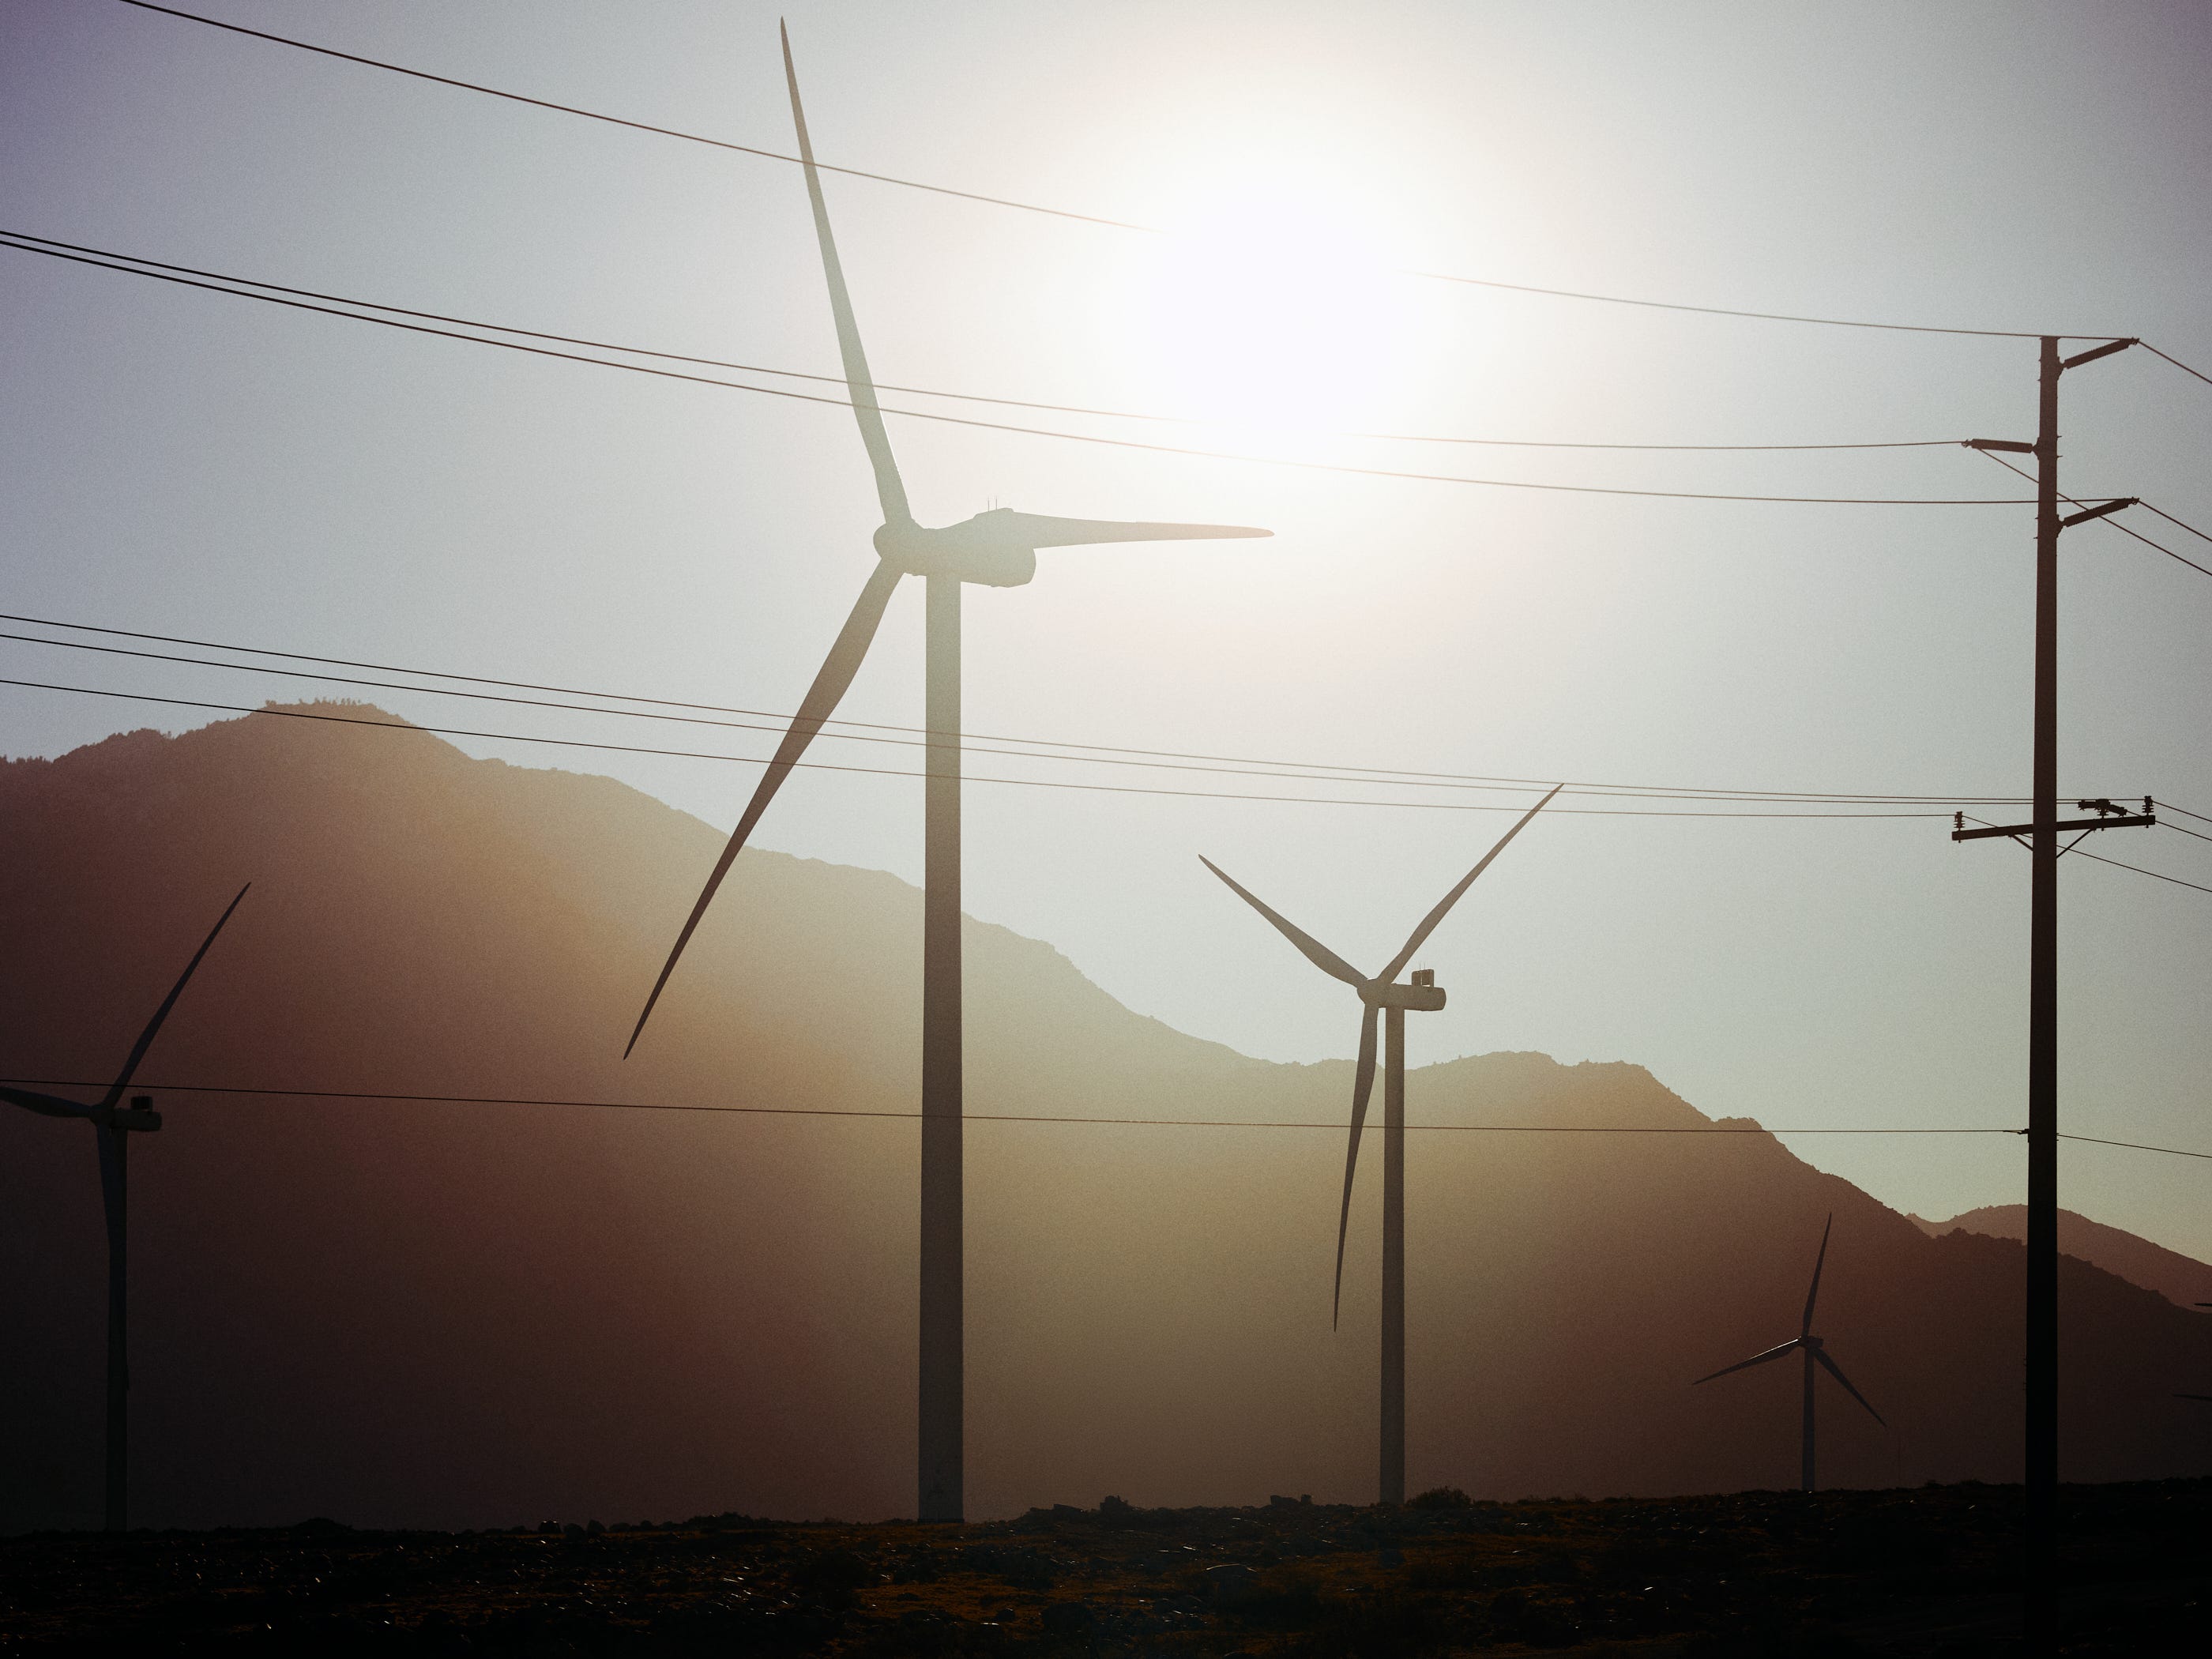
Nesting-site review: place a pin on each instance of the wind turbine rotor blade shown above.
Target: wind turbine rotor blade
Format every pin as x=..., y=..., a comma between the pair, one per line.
x=153, y=1025
x=1429, y=922
x=890, y=491
x=1820, y=1356
x=45, y=1105
x=820, y=702
x=1363, y=1086
x=1042, y=530
x=1806, y=1329
x=1315, y=952
x=1774, y=1352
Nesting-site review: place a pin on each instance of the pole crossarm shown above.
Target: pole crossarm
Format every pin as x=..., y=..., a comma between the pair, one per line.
x=2095, y=352
x=2097, y=512
x=2126, y=821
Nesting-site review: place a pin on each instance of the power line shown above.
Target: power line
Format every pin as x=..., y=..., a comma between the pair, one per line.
x=1391, y=775
x=7, y=241
x=1706, y=1129
x=2164, y=806
x=1728, y=311
x=1088, y=218
x=619, y=121
x=2176, y=361
x=2140, y=871
x=893, y=772
x=2136, y=1146
x=2184, y=829
x=1004, y=1117
x=2171, y=520
x=924, y=740
x=2070, y=500
x=26, y=237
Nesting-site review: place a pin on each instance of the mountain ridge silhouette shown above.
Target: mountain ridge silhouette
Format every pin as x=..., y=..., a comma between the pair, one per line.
x=457, y=1315
x=2179, y=1278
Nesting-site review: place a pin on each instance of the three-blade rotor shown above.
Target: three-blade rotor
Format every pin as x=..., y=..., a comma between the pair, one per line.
x=1805, y=1338
x=1372, y=991
x=104, y=1112
x=998, y=548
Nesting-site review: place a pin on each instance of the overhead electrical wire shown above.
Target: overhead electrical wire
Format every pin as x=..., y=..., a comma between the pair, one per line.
x=1716, y=1127
x=927, y=740
x=894, y=772
x=638, y=126
x=2176, y=361
x=1393, y=775
x=1085, y=218
x=2178, y=524
x=1713, y=1128
x=2154, y=874
x=2134, y=1146
x=1346, y=468
x=2201, y=570
x=26, y=237
x=1035, y=783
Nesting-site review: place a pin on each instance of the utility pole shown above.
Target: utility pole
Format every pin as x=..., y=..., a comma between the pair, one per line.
x=2042, y=1357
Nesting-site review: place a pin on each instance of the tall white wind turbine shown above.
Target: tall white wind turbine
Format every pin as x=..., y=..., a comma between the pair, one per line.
x=1382, y=994
x=996, y=549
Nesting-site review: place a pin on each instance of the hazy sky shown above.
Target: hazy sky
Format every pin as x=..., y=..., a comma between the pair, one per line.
x=175, y=461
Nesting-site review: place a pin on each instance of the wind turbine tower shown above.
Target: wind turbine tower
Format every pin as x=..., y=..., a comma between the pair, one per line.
x=114, y=1123
x=996, y=549
x=1382, y=994
x=1814, y=1353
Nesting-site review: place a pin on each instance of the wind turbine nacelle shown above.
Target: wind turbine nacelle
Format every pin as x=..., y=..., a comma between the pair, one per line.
x=990, y=555
x=1421, y=999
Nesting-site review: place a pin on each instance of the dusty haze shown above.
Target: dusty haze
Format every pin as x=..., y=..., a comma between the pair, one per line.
x=452, y=1314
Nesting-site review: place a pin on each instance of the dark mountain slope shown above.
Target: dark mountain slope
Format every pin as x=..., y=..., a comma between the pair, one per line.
x=454, y=1315
x=2176, y=1277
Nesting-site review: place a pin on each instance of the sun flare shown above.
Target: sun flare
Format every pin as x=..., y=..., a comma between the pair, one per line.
x=1271, y=307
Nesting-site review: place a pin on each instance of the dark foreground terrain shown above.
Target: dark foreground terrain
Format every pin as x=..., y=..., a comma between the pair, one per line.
x=1933, y=1570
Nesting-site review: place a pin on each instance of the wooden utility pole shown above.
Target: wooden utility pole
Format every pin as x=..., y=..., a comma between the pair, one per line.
x=2042, y=834
x=2042, y=1379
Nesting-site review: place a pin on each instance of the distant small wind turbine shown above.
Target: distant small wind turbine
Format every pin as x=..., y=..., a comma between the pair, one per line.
x=1383, y=993
x=113, y=1122
x=1815, y=1352
x=994, y=548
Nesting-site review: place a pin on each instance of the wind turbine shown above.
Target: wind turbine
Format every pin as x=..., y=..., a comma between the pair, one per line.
x=1815, y=1352
x=114, y=1123
x=1383, y=993
x=996, y=549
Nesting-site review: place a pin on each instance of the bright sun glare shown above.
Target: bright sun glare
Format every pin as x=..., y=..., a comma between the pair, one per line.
x=1271, y=307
